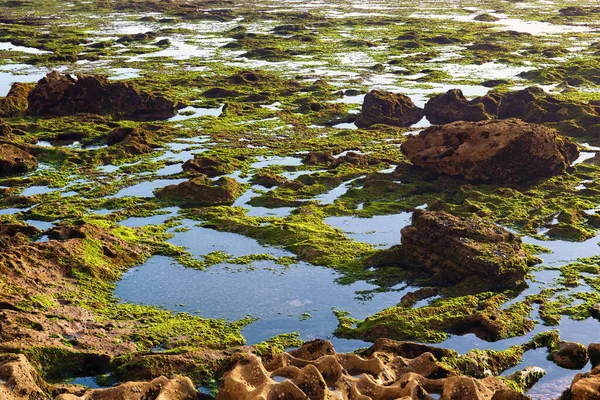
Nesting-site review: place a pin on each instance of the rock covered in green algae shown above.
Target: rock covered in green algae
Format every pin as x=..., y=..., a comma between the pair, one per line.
x=58, y=94
x=454, y=249
x=15, y=101
x=203, y=191
x=14, y=160
x=500, y=151
x=132, y=140
x=388, y=108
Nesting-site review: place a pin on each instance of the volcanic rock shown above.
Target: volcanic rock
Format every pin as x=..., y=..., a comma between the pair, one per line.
x=14, y=160
x=509, y=151
x=455, y=249
x=61, y=94
x=381, y=107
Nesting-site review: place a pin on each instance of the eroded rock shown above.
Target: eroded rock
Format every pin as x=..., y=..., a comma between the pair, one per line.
x=508, y=151
x=585, y=386
x=14, y=160
x=161, y=388
x=61, y=94
x=455, y=249
x=316, y=371
x=570, y=355
x=453, y=106
x=388, y=108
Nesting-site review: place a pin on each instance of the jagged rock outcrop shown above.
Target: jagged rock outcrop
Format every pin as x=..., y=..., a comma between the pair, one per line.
x=317, y=372
x=61, y=94
x=202, y=191
x=585, y=386
x=14, y=160
x=454, y=249
x=507, y=151
x=15, y=101
x=453, y=106
x=531, y=104
x=388, y=108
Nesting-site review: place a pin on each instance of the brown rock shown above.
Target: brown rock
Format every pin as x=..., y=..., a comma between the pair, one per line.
x=570, y=355
x=509, y=151
x=584, y=386
x=594, y=354
x=132, y=140
x=210, y=166
x=18, y=379
x=203, y=191
x=453, y=106
x=455, y=249
x=388, y=108
x=5, y=129
x=161, y=388
x=14, y=160
x=316, y=371
x=59, y=94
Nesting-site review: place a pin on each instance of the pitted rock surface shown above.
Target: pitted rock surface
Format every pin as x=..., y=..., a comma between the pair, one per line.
x=317, y=372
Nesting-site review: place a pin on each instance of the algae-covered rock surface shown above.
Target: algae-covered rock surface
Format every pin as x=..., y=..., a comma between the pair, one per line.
x=324, y=200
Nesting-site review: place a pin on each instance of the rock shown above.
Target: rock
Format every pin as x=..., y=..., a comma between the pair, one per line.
x=18, y=379
x=388, y=108
x=527, y=378
x=61, y=94
x=133, y=140
x=584, y=386
x=14, y=160
x=455, y=249
x=570, y=355
x=453, y=106
x=5, y=129
x=316, y=371
x=15, y=102
x=594, y=354
x=161, y=388
x=210, y=166
x=509, y=151
x=203, y=191
x=268, y=179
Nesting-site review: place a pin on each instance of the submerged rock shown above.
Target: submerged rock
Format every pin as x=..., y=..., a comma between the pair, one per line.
x=203, y=191
x=454, y=249
x=14, y=160
x=61, y=94
x=316, y=371
x=388, y=108
x=508, y=151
